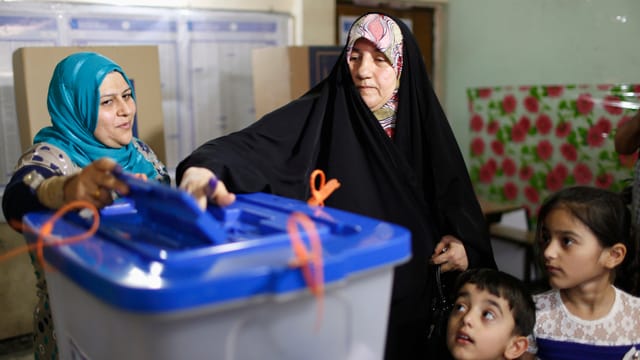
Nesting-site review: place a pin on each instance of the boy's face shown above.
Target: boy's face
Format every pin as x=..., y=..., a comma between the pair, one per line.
x=481, y=327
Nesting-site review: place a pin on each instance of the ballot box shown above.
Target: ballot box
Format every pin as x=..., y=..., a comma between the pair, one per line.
x=162, y=279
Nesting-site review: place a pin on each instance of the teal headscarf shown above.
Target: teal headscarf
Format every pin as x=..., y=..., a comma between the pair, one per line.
x=73, y=100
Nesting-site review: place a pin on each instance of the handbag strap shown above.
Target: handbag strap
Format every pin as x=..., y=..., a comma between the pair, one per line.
x=439, y=282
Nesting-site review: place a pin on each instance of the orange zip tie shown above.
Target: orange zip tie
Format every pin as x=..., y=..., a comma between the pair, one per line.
x=311, y=263
x=320, y=192
x=47, y=228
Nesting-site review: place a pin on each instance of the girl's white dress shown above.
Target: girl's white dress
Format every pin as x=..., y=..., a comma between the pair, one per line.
x=561, y=335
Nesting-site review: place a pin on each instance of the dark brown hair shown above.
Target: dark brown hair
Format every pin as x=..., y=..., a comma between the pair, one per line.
x=507, y=287
x=607, y=216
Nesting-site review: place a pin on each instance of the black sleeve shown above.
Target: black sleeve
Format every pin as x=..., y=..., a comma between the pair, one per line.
x=19, y=198
x=272, y=155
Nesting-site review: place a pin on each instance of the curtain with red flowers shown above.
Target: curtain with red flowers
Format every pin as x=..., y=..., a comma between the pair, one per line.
x=529, y=141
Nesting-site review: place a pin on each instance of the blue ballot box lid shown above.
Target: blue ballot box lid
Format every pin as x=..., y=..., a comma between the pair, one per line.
x=157, y=251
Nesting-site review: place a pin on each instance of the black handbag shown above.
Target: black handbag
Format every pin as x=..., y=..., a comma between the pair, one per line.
x=441, y=306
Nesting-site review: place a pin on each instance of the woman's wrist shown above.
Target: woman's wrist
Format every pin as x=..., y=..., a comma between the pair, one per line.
x=50, y=192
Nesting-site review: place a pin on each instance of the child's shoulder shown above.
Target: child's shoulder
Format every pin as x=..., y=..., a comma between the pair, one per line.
x=630, y=304
x=553, y=321
x=547, y=300
x=625, y=318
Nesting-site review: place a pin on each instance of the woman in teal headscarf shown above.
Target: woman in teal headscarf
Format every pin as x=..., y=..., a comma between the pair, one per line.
x=92, y=107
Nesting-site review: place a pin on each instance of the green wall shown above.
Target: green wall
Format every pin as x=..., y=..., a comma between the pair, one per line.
x=530, y=42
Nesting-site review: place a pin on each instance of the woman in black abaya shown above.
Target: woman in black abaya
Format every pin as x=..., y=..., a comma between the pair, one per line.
x=376, y=125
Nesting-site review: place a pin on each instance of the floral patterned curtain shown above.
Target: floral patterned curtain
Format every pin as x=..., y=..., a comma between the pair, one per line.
x=529, y=141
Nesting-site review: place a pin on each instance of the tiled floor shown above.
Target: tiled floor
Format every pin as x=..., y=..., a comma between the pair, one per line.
x=18, y=348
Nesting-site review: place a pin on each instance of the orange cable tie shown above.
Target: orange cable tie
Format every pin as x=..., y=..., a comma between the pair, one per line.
x=310, y=263
x=321, y=192
x=47, y=228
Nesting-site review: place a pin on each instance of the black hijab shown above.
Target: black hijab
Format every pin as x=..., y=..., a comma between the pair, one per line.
x=417, y=179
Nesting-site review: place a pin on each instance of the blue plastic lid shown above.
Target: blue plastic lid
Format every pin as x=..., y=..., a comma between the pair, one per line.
x=156, y=251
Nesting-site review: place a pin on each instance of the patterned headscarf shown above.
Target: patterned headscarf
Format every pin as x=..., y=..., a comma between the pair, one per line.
x=73, y=101
x=382, y=31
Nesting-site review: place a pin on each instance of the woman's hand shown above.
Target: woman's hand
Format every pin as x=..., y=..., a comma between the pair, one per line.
x=203, y=185
x=95, y=183
x=450, y=254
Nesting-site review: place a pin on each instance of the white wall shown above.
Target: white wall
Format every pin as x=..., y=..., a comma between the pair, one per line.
x=313, y=19
x=520, y=42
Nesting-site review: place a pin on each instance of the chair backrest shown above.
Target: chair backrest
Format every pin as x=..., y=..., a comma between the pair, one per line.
x=32, y=70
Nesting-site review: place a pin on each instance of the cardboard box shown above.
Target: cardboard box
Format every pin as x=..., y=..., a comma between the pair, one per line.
x=32, y=70
x=282, y=74
x=18, y=283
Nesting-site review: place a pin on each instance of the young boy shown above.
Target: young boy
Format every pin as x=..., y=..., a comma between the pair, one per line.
x=492, y=317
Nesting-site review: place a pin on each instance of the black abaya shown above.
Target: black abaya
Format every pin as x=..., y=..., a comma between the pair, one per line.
x=417, y=179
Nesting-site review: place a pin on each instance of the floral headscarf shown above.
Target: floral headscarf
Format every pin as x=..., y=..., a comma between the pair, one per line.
x=382, y=31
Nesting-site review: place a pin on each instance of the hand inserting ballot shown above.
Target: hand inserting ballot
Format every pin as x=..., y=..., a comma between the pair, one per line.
x=203, y=185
